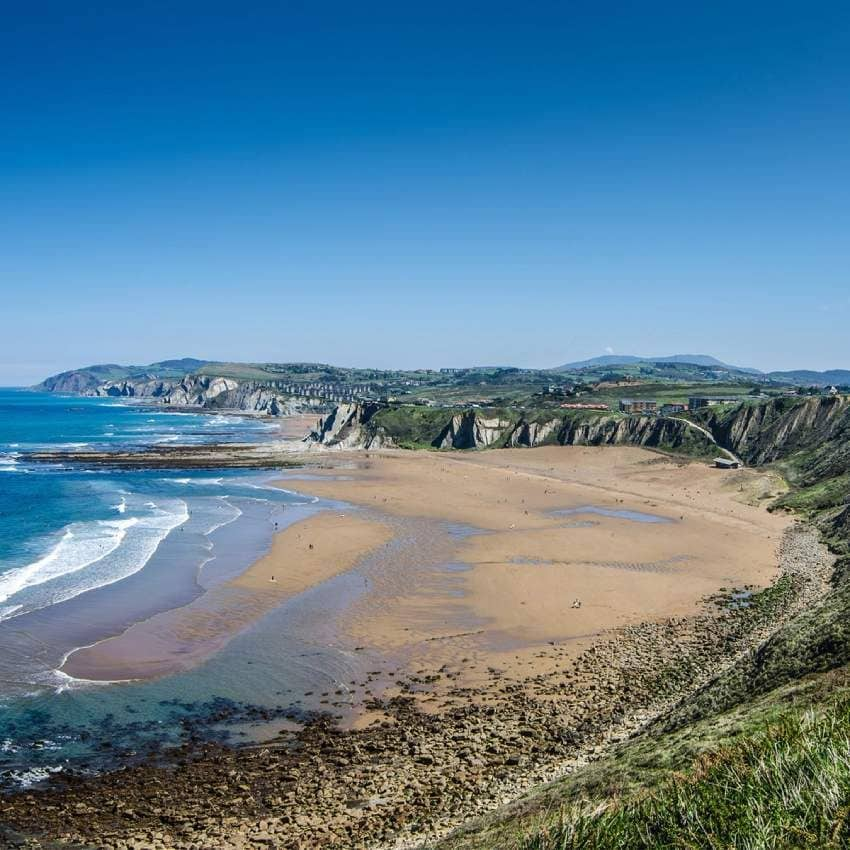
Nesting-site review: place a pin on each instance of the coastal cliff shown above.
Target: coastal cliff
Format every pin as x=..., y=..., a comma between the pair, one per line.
x=227, y=394
x=88, y=379
x=770, y=430
x=345, y=428
x=760, y=433
x=368, y=426
x=471, y=430
x=205, y=391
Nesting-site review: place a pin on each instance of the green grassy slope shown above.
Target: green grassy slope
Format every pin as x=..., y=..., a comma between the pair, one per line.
x=783, y=784
x=728, y=777
x=411, y=427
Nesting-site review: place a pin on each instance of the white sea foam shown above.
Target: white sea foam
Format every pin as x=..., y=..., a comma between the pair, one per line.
x=59, y=681
x=80, y=545
x=235, y=513
x=90, y=555
x=309, y=500
x=121, y=507
x=197, y=482
x=28, y=778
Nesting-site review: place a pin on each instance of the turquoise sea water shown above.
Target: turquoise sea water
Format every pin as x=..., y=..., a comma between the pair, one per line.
x=85, y=552
x=66, y=530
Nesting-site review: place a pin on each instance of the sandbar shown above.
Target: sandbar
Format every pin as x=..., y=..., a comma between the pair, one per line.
x=301, y=556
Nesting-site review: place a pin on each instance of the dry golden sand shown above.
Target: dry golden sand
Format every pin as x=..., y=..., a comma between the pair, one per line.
x=301, y=556
x=526, y=572
x=310, y=552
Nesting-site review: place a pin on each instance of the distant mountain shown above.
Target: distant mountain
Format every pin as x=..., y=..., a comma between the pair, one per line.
x=184, y=364
x=705, y=360
x=808, y=377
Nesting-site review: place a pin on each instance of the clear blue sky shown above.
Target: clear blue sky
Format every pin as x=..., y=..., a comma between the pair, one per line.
x=423, y=184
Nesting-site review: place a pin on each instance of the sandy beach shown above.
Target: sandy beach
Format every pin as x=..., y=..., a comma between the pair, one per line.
x=496, y=554
x=296, y=425
x=656, y=537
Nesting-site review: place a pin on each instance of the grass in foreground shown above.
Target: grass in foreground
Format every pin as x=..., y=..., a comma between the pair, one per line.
x=723, y=778
x=785, y=786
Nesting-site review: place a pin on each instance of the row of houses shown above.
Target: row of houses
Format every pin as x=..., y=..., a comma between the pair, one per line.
x=584, y=405
x=650, y=406
x=329, y=391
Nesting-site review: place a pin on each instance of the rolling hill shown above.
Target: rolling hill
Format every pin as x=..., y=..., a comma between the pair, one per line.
x=629, y=359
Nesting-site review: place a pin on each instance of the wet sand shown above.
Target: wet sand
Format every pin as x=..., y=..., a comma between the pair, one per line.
x=302, y=556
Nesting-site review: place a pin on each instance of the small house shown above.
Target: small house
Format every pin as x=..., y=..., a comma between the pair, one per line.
x=673, y=407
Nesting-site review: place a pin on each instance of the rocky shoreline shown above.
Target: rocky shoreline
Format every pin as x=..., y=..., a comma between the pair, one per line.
x=211, y=456
x=418, y=772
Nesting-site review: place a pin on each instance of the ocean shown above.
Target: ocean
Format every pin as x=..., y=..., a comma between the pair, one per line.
x=86, y=552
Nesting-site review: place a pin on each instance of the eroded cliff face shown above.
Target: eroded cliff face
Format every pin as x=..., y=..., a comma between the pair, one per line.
x=201, y=390
x=530, y=434
x=652, y=431
x=355, y=426
x=469, y=430
x=210, y=393
x=345, y=428
x=129, y=389
x=771, y=430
